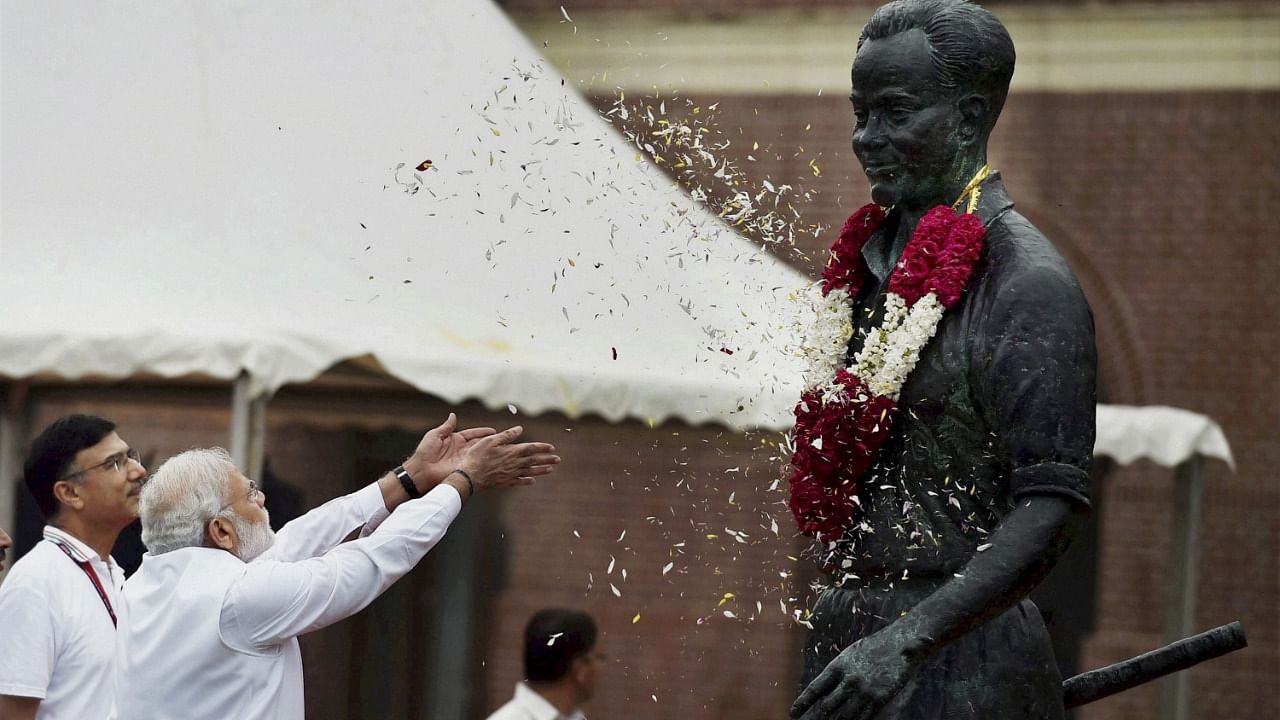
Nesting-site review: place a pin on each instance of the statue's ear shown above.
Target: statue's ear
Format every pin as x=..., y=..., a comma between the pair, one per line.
x=973, y=116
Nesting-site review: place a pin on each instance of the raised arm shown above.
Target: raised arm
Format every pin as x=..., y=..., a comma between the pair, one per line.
x=275, y=601
x=437, y=455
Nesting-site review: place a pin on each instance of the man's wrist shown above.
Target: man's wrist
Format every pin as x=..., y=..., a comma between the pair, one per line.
x=421, y=474
x=461, y=481
x=406, y=481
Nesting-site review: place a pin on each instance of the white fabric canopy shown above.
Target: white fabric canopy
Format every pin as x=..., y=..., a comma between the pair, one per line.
x=1164, y=435
x=195, y=187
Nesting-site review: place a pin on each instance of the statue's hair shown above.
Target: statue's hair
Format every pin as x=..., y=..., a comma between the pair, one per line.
x=180, y=499
x=970, y=48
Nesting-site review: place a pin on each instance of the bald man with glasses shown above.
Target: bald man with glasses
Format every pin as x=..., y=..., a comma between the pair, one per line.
x=59, y=602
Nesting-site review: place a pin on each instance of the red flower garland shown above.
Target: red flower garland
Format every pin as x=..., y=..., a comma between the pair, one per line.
x=838, y=439
x=844, y=269
x=939, y=257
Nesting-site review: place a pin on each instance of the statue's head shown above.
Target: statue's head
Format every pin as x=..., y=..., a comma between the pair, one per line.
x=929, y=80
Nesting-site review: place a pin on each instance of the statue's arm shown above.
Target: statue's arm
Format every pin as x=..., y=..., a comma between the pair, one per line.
x=1021, y=552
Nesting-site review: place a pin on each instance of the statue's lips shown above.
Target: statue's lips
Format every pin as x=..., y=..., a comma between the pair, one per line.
x=885, y=172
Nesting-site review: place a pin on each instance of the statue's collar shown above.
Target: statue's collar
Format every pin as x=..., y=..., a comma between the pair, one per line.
x=993, y=203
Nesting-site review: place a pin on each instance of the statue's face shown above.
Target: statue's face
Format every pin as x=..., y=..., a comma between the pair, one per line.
x=907, y=129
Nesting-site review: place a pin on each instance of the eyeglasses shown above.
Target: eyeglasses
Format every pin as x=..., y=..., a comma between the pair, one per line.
x=115, y=463
x=254, y=490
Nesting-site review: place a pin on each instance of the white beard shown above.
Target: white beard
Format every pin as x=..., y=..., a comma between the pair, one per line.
x=255, y=538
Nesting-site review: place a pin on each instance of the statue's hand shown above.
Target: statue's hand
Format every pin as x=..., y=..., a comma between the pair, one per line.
x=859, y=681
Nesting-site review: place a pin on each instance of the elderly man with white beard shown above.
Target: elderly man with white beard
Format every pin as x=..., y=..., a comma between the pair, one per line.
x=211, y=619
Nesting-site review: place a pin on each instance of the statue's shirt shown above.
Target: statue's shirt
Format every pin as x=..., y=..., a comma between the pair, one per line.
x=1001, y=405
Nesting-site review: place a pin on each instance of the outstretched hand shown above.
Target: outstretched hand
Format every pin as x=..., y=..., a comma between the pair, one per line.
x=441, y=450
x=498, y=461
x=859, y=682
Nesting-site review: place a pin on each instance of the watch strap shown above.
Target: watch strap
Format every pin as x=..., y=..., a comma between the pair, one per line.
x=406, y=481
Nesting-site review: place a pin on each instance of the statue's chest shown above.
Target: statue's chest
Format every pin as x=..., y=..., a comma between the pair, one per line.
x=938, y=386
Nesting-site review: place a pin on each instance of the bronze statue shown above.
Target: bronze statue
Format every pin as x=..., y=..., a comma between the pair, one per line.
x=942, y=455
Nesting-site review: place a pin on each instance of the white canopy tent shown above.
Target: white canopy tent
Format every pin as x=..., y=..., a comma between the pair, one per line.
x=214, y=188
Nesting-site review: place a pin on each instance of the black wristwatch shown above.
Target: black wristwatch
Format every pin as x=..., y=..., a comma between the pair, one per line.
x=406, y=481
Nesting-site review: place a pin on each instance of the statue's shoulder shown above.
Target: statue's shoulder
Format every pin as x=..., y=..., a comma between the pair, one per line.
x=1012, y=241
x=1023, y=266
x=1018, y=251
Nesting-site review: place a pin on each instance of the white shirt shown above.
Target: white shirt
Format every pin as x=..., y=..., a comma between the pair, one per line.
x=211, y=637
x=57, y=641
x=529, y=705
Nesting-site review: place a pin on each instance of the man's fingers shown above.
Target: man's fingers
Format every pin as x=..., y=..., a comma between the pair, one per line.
x=444, y=428
x=537, y=470
x=476, y=433
x=507, y=436
x=503, y=438
x=535, y=448
x=544, y=458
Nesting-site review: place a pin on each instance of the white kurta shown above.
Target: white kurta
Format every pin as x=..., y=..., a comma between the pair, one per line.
x=209, y=636
x=57, y=642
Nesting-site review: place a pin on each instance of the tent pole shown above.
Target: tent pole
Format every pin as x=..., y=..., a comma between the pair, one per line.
x=13, y=428
x=248, y=427
x=1183, y=576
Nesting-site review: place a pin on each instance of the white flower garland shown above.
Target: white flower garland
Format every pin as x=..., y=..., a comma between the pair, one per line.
x=888, y=355
x=827, y=340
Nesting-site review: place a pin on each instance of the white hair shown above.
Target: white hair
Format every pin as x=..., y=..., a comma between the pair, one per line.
x=180, y=499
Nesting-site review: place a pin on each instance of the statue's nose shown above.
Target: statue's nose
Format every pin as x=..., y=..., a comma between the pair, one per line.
x=869, y=137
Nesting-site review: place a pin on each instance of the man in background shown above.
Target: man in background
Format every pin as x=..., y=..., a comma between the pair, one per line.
x=59, y=603
x=561, y=667
x=213, y=615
